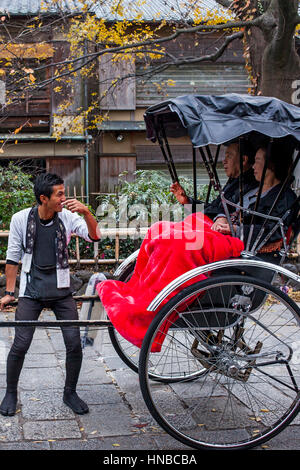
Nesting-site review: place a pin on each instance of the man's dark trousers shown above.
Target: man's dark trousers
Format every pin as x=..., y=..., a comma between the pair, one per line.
x=30, y=309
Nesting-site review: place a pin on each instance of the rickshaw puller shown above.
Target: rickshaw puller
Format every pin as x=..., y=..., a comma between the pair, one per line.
x=39, y=237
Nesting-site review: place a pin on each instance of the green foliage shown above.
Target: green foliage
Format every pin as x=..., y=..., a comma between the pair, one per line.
x=16, y=193
x=154, y=187
x=141, y=198
x=149, y=189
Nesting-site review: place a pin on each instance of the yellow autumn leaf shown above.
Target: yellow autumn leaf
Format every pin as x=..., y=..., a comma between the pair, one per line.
x=255, y=418
x=32, y=78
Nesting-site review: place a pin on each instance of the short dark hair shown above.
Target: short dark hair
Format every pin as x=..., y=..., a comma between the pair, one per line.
x=281, y=157
x=44, y=185
x=248, y=149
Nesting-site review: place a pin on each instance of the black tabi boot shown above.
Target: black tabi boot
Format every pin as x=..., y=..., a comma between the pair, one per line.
x=13, y=369
x=70, y=397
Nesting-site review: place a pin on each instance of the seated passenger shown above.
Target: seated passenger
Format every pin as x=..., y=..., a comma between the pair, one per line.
x=276, y=174
x=231, y=165
x=170, y=249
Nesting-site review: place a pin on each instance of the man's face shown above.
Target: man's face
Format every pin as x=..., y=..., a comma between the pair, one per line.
x=54, y=203
x=232, y=161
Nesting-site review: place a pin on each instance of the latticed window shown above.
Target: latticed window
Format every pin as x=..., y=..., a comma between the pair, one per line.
x=25, y=93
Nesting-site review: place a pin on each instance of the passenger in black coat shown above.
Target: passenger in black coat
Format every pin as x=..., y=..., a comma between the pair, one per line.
x=231, y=165
x=276, y=173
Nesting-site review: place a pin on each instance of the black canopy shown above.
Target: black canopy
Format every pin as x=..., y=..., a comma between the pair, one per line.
x=218, y=119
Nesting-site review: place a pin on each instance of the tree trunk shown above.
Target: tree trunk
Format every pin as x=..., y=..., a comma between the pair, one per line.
x=280, y=60
x=279, y=79
x=272, y=60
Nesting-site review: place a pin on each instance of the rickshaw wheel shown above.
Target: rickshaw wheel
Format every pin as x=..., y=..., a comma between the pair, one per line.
x=130, y=354
x=125, y=350
x=247, y=337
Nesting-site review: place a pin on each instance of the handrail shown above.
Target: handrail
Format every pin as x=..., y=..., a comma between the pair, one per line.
x=115, y=234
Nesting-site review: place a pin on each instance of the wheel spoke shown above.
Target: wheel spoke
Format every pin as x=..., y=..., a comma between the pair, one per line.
x=245, y=345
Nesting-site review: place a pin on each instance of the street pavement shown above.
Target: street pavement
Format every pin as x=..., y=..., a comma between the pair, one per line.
x=118, y=417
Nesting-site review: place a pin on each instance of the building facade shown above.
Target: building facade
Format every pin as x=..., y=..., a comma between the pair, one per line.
x=90, y=162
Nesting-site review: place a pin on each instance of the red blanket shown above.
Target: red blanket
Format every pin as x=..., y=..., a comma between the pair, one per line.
x=169, y=250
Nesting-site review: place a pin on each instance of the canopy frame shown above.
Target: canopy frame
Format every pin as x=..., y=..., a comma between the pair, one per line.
x=160, y=120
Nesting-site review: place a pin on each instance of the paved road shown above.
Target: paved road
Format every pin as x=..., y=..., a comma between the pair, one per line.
x=118, y=418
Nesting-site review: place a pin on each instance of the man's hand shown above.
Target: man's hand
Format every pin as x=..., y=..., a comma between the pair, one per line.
x=223, y=228
x=179, y=193
x=5, y=300
x=219, y=223
x=76, y=206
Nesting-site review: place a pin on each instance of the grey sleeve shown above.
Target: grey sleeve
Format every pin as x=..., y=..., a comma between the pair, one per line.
x=15, y=240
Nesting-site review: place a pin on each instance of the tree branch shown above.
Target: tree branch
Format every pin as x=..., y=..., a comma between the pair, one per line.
x=155, y=42
x=160, y=67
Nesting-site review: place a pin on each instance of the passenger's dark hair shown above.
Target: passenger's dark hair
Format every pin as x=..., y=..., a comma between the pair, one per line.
x=246, y=148
x=281, y=157
x=249, y=150
x=44, y=185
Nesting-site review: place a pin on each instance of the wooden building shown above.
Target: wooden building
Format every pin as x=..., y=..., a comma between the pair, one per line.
x=27, y=123
x=95, y=161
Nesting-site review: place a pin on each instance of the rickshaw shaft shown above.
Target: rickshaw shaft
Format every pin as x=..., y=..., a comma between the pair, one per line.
x=55, y=323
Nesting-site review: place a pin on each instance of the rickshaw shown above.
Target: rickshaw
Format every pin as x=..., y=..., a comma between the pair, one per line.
x=227, y=376
x=228, y=372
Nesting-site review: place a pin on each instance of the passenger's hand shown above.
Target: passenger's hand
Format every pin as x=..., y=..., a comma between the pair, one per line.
x=219, y=223
x=224, y=228
x=179, y=193
x=74, y=205
x=5, y=300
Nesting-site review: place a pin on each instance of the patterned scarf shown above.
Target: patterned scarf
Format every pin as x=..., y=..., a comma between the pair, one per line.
x=61, y=249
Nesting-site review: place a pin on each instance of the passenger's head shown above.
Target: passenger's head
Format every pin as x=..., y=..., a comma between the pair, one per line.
x=279, y=161
x=47, y=187
x=232, y=158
